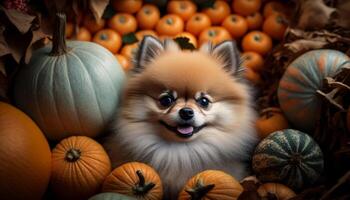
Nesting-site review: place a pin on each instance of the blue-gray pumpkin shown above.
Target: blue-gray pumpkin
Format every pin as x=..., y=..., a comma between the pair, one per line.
x=69, y=88
x=290, y=157
x=297, y=92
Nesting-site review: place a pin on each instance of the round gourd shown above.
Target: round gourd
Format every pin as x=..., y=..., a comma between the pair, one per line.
x=110, y=196
x=134, y=179
x=280, y=191
x=304, y=76
x=79, y=167
x=25, y=158
x=69, y=89
x=290, y=157
x=211, y=184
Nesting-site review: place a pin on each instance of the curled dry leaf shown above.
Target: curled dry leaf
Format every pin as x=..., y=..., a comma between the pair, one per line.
x=312, y=14
x=21, y=20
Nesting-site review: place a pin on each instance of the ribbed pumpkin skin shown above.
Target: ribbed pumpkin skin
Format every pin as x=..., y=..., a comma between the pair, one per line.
x=303, y=77
x=111, y=196
x=73, y=94
x=82, y=178
x=123, y=178
x=25, y=157
x=290, y=157
x=226, y=187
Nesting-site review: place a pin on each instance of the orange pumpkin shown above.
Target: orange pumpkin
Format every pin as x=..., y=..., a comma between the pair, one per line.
x=79, y=167
x=252, y=60
x=197, y=23
x=218, y=12
x=148, y=16
x=214, y=34
x=123, y=61
x=127, y=6
x=141, y=34
x=170, y=25
x=109, y=39
x=271, y=120
x=83, y=34
x=246, y=7
x=192, y=39
x=185, y=9
x=257, y=41
x=273, y=7
x=252, y=76
x=254, y=21
x=24, y=156
x=129, y=50
x=123, y=23
x=275, y=26
x=211, y=184
x=92, y=24
x=236, y=25
x=134, y=179
x=280, y=191
x=69, y=29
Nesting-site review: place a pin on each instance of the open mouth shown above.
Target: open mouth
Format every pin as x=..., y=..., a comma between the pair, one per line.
x=183, y=130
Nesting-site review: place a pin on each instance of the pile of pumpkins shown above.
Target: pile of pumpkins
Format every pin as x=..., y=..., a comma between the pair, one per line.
x=255, y=25
x=70, y=90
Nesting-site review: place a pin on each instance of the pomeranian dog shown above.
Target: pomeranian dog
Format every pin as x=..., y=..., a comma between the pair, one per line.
x=184, y=112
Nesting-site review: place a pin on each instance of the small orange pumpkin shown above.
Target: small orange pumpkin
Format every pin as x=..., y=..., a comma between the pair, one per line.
x=185, y=9
x=197, y=23
x=218, y=12
x=79, y=167
x=211, y=184
x=127, y=6
x=170, y=25
x=214, y=34
x=271, y=120
x=109, y=39
x=135, y=179
x=148, y=16
x=141, y=34
x=129, y=50
x=252, y=60
x=123, y=61
x=191, y=38
x=92, y=24
x=83, y=34
x=123, y=23
x=280, y=191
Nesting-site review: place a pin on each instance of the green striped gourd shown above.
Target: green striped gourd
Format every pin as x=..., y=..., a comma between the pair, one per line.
x=290, y=157
x=304, y=76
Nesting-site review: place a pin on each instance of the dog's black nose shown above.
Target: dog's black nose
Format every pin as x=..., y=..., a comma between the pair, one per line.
x=186, y=113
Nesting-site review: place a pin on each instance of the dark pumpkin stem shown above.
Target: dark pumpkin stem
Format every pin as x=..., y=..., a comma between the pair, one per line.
x=73, y=155
x=142, y=188
x=199, y=191
x=59, y=46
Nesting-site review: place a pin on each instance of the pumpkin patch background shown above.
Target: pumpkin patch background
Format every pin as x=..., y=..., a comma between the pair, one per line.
x=295, y=54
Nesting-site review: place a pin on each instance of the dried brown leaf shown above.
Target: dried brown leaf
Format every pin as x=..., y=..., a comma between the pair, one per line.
x=312, y=14
x=20, y=20
x=97, y=7
x=38, y=35
x=3, y=44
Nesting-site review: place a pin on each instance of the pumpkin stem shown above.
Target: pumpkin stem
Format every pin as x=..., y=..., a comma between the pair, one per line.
x=199, y=191
x=73, y=155
x=142, y=188
x=59, y=46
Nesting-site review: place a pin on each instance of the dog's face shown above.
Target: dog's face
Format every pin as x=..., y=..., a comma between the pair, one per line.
x=185, y=95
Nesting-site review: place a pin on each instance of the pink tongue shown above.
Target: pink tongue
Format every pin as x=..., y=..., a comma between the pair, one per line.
x=185, y=130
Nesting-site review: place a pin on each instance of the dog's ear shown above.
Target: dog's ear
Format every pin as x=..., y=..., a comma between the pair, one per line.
x=227, y=53
x=149, y=48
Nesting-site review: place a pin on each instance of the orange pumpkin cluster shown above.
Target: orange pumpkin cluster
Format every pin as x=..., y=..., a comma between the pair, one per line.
x=250, y=23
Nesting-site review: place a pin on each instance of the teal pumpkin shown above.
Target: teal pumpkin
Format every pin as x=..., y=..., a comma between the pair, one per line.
x=69, y=88
x=290, y=157
x=110, y=196
x=304, y=76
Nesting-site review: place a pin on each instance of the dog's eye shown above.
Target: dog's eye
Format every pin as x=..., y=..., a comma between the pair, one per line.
x=166, y=100
x=203, y=102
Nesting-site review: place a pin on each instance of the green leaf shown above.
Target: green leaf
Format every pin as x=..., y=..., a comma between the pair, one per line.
x=184, y=43
x=109, y=12
x=202, y=4
x=129, y=38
